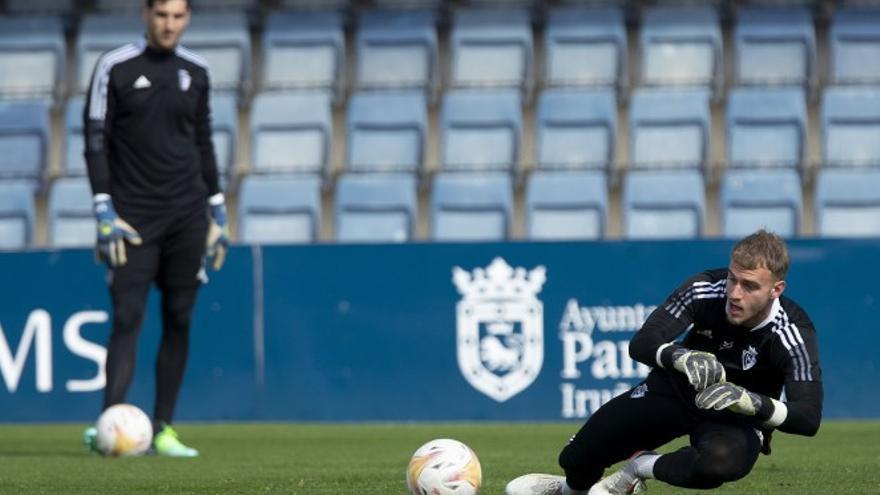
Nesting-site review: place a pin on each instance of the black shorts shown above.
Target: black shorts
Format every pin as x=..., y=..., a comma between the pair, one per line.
x=172, y=253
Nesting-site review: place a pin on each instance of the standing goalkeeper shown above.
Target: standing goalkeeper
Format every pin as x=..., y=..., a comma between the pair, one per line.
x=721, y=385
x=157, y=199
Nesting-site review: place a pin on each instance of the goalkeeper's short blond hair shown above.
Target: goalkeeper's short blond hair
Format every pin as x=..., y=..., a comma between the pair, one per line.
x=762, y=249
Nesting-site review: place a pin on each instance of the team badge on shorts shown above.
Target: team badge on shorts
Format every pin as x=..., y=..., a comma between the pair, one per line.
x=185, y=79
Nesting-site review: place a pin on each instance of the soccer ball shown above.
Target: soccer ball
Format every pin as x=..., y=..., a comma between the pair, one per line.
x=124, y=430
x=444, y=467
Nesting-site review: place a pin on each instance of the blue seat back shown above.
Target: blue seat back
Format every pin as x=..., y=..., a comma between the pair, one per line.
x=471, y=207
x=576, y=129
x=24, y=139
x=567, y=205
x=279, y=209
x=663, y=204
x=585, y=47
x=291, y=132
x=770, y=199
x=774, y=46
x=669, y=128
x=71, y=217
x=32, y=57
x=847, y=203
x=16, y=215
x=850, y=118
x=854, y=41
x=397, y=50
x=480, y=130
x=766, y=127
x=303, y=50
x=681, y=46
x=386, y=131
x=375, y=207
x=491, y=48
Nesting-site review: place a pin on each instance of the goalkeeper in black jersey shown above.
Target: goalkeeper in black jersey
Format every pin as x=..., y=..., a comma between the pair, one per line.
x=721, y=385
x=157, y=199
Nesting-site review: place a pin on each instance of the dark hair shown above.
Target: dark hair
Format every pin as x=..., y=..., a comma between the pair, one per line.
x=150, y=3
x=762, y=250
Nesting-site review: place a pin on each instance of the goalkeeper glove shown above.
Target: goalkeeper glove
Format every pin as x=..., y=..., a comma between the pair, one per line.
x=113, y=233
x=218, y=233
x=729, y=396
x=702, y=368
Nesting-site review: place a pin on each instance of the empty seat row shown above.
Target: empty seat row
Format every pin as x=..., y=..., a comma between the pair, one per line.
x=559, y=205
x=679, y=46
x=292, y=132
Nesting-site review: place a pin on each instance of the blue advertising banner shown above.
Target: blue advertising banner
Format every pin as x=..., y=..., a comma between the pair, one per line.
x=508, y=331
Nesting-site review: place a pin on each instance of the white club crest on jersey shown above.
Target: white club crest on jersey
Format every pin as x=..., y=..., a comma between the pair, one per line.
x=750, y=358
x=142, y=82
x=185, y=79
x=500, y=327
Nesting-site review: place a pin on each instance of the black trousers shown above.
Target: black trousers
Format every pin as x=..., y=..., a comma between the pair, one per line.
x=171, y=257
x=719, y=450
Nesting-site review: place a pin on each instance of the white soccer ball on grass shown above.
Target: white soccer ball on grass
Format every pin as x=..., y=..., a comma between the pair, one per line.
x=444, y=467
x=124, y=430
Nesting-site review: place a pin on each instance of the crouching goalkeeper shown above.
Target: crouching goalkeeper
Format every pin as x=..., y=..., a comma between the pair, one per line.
x=721, y=385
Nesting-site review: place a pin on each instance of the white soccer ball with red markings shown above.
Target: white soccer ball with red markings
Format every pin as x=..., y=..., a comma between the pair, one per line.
x=444, y=467
x=124, y=430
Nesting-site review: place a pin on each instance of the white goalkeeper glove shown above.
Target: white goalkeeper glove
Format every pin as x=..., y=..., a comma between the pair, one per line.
x=702, y=368
x=729, y=396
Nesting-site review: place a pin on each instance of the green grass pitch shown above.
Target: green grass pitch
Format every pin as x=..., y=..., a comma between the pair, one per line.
x=370, y=459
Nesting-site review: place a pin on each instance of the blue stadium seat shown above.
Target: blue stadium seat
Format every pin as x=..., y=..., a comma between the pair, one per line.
x=408, y=4
x=669, y=128
x=491, y=48
x=16, y=215
x=291, y=132
x=567, y=205
x=279, y=210
x=71, y=219
x=471, y=207
x=118, y=6
x=32, y=57
x=774, y=46
x=397, y=49
x=766, y=127
x=663, y=204
x=847, y=203
x=224, y=126
x=73, y=162
x=480, y=130
x=854, y=40
x=242, y=5
x=681, y=46
x=314, y=4
x=386, y=131
x=24, y=139
x=54, y=7
x=303, y=50
x=752, y=199
x=850, y=118
x=223, y=40
x=100, y=33
x=576, y=129
x=376, y=207
x=585, y=47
